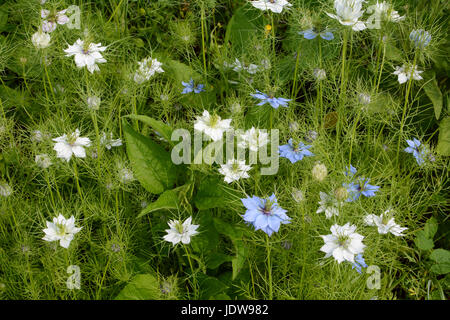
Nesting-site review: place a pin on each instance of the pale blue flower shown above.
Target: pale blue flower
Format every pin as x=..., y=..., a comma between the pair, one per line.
x=362, y=187
x=312, y=34
x=419, y=151
x=421, y=38
x=295, y=152
x=264, y=214
x=359, y=263
x=189, y=87
x=350, y=171
x=274, y=102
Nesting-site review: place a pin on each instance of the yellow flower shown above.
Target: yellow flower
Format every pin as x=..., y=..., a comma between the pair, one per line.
x=267, y=29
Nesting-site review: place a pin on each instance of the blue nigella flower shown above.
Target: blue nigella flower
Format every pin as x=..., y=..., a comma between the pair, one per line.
x=350, y=172
x=362, y=187
x=264, y=214
x=421, y=38
x=189, y=87
x=418, y=150
x=274, y=102
x=294, y=152
x=359, y=263
x=312, y=34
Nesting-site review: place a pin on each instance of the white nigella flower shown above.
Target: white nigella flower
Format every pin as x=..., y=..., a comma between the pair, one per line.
x=239, y=66
x=86, y=54
x=41, y=40
x=386, y=11
x=275, y=6
x=52, y=19
x=37, y=136
x=234, y=170
x=405, y=72
x=43, y=161
x=108, y=141
x=67, y=145
x=254, y=139
x=126, y=175
x=385, y=223
x=181, y=232
x=93, y=102
x=348, y=13
x=147, y=68
x=5, y=189
x=62, y=230
x=343, y=243
x=212, y=125
x=328, y=204
x=319, y=74
x=364, y=98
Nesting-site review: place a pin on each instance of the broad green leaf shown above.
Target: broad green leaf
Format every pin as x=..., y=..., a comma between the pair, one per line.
x=3, y=18
x=168, y=200
x=243, y=26
x=393, y=53
x=423, y=242
x=215, y=259
x=239, y=260
x=210, y=286
x=241, y=250
x=431, y=227
x=208, y=239
x=441, y=268
x=434, y=93
x=443, y=146
x=440, y=256
x=212, y=193
x=141, y=287
x=151, y=164
x=227, y=229
x=163, y=129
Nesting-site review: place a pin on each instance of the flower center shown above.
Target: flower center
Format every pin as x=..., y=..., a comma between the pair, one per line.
x=71, y=138
x=342, y=240
x=267, y=208
x=213, y=121
x=86, y=46
x=179, y=227
x=235, y=167
x=61, y=229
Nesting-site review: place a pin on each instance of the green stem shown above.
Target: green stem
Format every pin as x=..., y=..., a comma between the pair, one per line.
x=103, y=278
x=194, y=282
x=402, y=123
x=295, y=74
x=76, y=179
x=203, y=38
x=381, y=68
x=342, y=89
x=269, y=267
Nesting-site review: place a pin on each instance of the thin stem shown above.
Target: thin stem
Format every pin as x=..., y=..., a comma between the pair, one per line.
x=103, y=278
x=269, y=267
x=402, y=123
x=192, y=268
x=295, y=74
x=381, y=68
x=76, y=179
x=203, y=38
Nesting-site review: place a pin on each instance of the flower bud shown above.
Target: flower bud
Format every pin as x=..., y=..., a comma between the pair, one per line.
x=298, y=195
x=341, y=194
x=319, y=171
x=319, y=74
